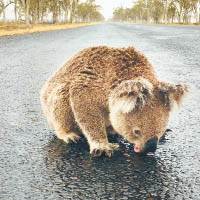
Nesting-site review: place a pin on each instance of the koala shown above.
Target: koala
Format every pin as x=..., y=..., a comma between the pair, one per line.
x=103, y=87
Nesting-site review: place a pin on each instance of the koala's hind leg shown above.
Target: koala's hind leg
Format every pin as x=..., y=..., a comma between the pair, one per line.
x=60, y=116
x=90, y=119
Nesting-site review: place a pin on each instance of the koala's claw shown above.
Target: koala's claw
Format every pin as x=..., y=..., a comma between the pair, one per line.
x=107, y=150
x=167, y=132
x=96, y=153
x=109, y=153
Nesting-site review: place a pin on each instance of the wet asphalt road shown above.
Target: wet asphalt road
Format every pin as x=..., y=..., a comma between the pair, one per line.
x=34, y=164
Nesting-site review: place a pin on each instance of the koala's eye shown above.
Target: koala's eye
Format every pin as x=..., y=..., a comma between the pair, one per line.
x=137, y=132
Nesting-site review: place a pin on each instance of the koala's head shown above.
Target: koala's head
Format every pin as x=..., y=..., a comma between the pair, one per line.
x=139, y=111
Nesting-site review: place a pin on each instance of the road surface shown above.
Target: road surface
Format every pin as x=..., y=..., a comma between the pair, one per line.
x=34, y=164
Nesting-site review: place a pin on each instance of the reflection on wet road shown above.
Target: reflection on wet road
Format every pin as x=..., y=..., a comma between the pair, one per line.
x=34, y=164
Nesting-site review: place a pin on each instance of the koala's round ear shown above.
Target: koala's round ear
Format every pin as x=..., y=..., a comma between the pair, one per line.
x=171, y=94
x=130, y=95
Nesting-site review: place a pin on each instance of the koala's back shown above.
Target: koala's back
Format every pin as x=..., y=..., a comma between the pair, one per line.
x=101, y=68
x=106, y=65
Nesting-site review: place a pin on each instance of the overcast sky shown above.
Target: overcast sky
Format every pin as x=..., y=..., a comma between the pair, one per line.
x=109, y=5
x=106, y=10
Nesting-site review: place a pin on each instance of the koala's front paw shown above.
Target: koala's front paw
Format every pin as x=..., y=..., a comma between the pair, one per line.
x=97, y=149
x=68, y=137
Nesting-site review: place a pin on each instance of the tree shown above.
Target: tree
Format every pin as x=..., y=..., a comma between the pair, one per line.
x=25, y=5
x=73, y=9
x=196, y=9
x=83, y=12
x=3, y=7
x=171, y=12
x=182, y=9
x=158, y=10
x=87, y=12
x=66, y=7
x=118, y=14
x=166, y=5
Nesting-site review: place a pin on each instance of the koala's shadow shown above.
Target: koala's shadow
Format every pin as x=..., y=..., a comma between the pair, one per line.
x=136, y=173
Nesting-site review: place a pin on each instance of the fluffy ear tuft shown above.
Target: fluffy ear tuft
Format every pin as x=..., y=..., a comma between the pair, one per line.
x=130, y=95
x=172, y=95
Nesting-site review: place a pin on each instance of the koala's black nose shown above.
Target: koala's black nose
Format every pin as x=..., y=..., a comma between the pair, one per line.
x=151, y=145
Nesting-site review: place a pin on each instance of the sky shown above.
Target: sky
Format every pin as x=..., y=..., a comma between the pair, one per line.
x=109, y=5
x=106, y=10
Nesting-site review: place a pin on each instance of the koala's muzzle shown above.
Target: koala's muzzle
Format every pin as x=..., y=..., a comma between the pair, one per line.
x=150, y=146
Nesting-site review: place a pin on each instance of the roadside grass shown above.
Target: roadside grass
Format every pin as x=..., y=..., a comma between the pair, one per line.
x=11, y=28
x=168, y=24
x=179, y=24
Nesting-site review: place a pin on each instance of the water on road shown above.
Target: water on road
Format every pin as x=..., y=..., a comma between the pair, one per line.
x=34, y=164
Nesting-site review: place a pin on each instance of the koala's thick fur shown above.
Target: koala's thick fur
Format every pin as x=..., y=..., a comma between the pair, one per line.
x=101, y=87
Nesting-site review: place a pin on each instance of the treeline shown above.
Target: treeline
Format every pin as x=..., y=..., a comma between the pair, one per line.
x=160, y=11
x=41, y=11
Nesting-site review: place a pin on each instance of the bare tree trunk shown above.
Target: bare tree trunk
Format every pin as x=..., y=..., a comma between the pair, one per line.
x=27, y=16
x=41, y=15
x=199, y=15
x=19, y=13
x=71, y=16
x=165, y=18
x=15, y=10
x=66, y=16
x=3, y=9
x=37, y=13
x=4, y=16
x=26, y=7
x=148, y=17
x=55, y=17
x=196, y=15
x=42, y=18
x=179, y=18
x=66, y=13
x=186, y=19
x=73, y=9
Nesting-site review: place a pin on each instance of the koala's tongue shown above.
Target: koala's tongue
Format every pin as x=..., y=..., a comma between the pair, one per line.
x=136, y=149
